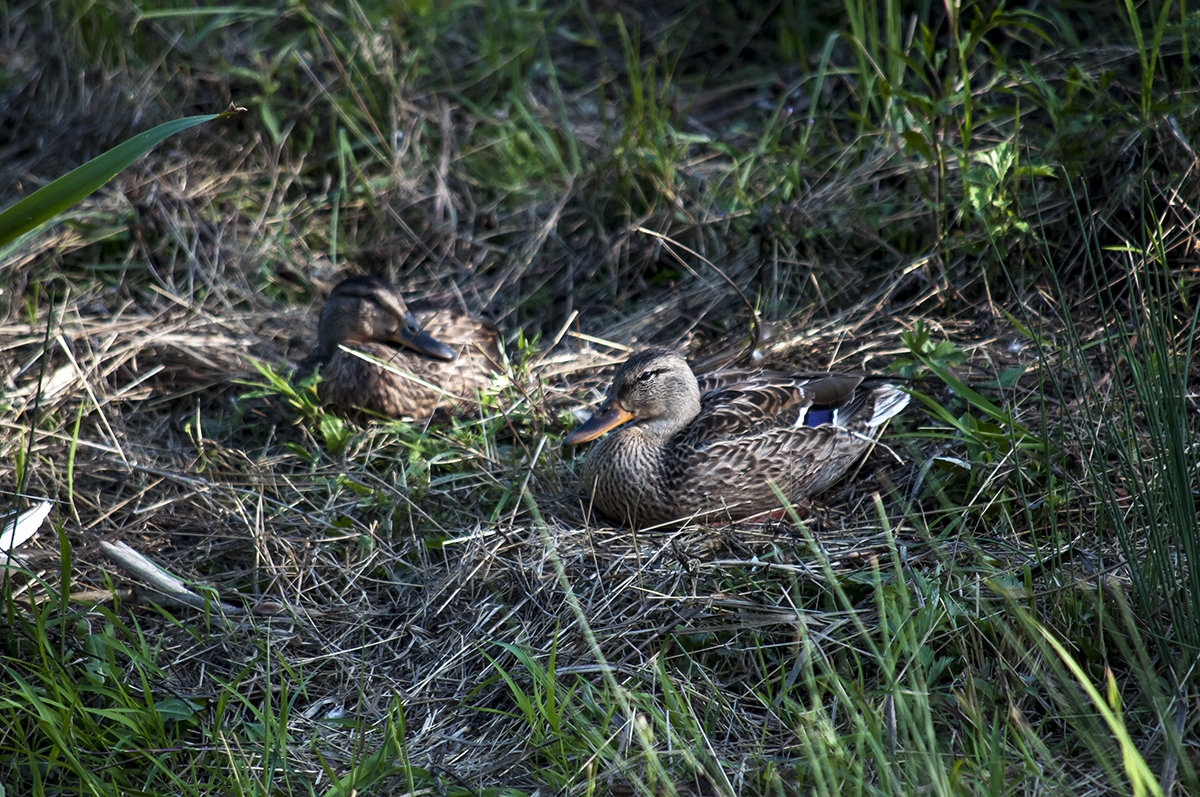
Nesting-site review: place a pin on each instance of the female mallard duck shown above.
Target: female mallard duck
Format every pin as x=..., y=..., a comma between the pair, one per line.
x=412, y=367
x=676, y=452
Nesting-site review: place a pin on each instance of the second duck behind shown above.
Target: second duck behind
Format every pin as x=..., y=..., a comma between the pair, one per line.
x=428, y=359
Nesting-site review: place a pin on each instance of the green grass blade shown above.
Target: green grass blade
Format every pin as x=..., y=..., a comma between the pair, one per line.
x=48, y=201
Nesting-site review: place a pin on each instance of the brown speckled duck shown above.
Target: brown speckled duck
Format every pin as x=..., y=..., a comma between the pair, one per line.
x=673, y=451
x=431, y=359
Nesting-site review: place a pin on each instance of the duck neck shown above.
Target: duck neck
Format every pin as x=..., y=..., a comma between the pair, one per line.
x=659, y=430
x=684, y=411
x=328, y=346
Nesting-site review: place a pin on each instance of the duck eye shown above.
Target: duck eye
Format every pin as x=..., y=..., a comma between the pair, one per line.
x=649, y=376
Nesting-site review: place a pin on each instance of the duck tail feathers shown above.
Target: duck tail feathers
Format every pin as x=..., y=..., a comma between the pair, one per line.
x=889, y=401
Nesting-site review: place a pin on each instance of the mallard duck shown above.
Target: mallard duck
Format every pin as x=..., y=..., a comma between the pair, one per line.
x=674, y=451
x=418, y=360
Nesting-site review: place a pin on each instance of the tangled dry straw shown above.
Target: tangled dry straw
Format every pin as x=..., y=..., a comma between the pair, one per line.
x=393, y=563
x=384, y=563
x=376, y=573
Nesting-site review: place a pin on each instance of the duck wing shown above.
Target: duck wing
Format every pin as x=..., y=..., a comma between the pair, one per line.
x=799, y=433
x=767, y=400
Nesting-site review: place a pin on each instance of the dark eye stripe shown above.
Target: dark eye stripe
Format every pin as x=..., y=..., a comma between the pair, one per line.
x=644, y=375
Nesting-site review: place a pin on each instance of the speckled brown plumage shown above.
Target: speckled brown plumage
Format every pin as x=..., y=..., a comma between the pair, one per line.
x=674, y=452
x=432, y=358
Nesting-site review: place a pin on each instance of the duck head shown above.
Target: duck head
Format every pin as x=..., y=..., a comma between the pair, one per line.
x=654, y=388
x=361, y=309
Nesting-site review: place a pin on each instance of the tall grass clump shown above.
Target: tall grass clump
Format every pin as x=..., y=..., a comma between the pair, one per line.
x=1142, y=435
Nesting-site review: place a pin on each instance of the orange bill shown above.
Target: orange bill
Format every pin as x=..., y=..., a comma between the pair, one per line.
x=609, y=416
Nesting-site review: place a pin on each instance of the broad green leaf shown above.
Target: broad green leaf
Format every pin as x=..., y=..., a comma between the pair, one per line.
x=48, y=201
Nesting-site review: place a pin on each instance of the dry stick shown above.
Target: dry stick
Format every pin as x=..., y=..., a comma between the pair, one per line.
x=755, y=330
x=601, y=341
x=557, y=339
x=400, y=372
x=167, y=585
x=92, y=395
x=444, y=212
x=528, y=475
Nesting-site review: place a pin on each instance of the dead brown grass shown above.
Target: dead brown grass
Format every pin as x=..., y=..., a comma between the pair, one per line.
x=400, y=585
x=126, y=337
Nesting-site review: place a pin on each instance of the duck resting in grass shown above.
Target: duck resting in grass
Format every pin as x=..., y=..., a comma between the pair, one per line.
x=678, y=448
x=377, y=353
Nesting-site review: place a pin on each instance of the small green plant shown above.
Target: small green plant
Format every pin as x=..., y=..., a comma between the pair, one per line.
x=996, y=424
x=551, y=712
x=302, y=398
x=390, y=759
x=991, y=187
x=987, y=457
x=928, y=354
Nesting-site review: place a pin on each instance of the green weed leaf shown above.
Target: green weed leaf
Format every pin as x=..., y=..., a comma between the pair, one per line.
x=44, y=204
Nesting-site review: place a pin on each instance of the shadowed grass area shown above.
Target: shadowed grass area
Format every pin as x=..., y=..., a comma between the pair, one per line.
x=993, y=203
